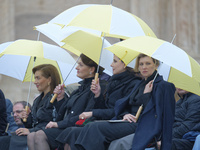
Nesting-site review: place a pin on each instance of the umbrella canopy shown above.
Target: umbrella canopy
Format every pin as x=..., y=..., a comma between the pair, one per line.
x=80, y=40
x=17, y=58
x=183, y=69
x=110, y=20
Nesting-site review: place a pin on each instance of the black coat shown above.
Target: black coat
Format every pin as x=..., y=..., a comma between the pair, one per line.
x=80, y=101
x=3, y=115
x=119, y=86
x=42, y=112
x=187, y=115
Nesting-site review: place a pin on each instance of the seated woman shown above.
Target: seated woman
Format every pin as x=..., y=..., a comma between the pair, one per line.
x=157, y=98
x=120, y=85
x=46, y=79
x=79, y=101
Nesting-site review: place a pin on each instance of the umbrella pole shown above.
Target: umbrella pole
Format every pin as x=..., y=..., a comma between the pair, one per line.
x=26, y=108
x=111, y=2
x=55, y=95
x=97, y=73
x=38, y=38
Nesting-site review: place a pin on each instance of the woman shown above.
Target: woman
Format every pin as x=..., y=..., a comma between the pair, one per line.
x=153, y=96
x=79, y=101
x=46, y=79
x=119, y=85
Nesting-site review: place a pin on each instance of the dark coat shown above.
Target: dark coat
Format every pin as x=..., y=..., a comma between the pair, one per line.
x=119, y=86
x=80, y=100
x=3, y=115
x=187, y=115
x=42, y=112
x=157, y=118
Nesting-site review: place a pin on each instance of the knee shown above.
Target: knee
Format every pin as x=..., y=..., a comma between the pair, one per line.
x=31, y=137
x=40, y=136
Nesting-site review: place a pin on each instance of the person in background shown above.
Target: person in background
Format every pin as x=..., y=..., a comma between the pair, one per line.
x=12, y=126
x=3, y=115
x=187, y=118
x=16, y=114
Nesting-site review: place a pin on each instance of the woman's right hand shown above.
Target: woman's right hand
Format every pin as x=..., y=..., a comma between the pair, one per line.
x=95, y=88
x=60, y=91
x=129, y=117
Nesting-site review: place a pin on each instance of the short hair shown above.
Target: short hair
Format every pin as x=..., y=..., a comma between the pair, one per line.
x=49, y=70
x=89, y=62
x=156, y=62
x=24, y=103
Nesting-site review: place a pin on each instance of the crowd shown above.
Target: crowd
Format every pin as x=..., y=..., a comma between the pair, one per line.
x=101, y=114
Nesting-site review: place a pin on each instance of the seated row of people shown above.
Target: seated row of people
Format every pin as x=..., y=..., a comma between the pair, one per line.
x=81, y=120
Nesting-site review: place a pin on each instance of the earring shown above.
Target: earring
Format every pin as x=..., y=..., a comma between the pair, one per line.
x=90, y=73
x=48, y=83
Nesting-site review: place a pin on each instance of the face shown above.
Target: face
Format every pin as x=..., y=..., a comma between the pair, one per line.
x=42, y=83
x=146, y=66
x=17, y=113
x=181, y=92
x=84, y=71
x=117, y=65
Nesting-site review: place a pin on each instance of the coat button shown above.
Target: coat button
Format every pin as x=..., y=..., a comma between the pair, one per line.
x=155, y=116
x=72, y=112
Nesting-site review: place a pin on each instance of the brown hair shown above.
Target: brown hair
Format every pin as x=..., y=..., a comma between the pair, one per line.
x=89, y=62
x=49, y=70
x=156, y=62
x=24, y=103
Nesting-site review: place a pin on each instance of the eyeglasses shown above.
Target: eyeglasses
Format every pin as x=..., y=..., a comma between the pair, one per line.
x=17, y=112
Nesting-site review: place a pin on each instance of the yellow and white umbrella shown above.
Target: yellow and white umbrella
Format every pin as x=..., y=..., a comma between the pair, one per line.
x=110, y=20
x=80, y=40
x=183, y=69
x=17, y=59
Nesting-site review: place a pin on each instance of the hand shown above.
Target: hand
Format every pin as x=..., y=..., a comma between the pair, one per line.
x=159, y=144
x=51, y=124
x=129, y=117
x=85, y=115
x=148, y=87
x=95, y=88
x=60, y=91
x=22, y=131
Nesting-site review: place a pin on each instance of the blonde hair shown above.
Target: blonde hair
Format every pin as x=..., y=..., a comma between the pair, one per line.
x=156, y=62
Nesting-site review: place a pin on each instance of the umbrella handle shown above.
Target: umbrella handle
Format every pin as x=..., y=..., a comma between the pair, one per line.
x=26, y=109
x=138, y=113
x=53, y=98
x=96, y=77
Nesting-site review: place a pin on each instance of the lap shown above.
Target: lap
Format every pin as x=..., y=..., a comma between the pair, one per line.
x=181, y=144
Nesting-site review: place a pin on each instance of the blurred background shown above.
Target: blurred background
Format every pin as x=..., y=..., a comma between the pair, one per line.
x=165, y=17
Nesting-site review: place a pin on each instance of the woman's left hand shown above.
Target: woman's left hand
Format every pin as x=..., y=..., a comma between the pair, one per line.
x=51, y=124
x=85, y=115
x=148, y=87
x=22, y=131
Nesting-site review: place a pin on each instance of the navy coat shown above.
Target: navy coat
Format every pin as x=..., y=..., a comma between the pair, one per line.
x=157, y=118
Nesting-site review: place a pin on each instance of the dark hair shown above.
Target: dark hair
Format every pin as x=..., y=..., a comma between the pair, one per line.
x=141, y=56
x=49, y=70
x=24, y=103
x=89, y=62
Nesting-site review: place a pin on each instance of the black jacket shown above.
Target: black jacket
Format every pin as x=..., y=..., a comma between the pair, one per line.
x=118, y=86
x=42, y=112
x=79, y=101
x=3, y=115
